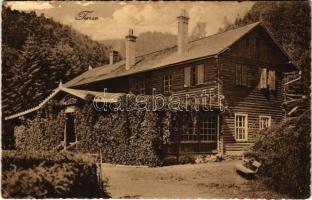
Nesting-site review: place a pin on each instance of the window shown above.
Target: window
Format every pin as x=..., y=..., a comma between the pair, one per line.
x=247, y=42
x=141, y=85
x=264, y=122
x=189, y=133
x=271, y=80
x=241, y=75
x=267, y=79
x=241, y=127
x=167, y=83
x=208, y=128
x=193, y=76
x=205, y=131
x=187, y=76
x=200, y=74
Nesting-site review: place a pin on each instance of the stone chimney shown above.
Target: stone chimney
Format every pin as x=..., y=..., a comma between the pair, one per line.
x=113, y=57
x=130, y=49
x=182, y=31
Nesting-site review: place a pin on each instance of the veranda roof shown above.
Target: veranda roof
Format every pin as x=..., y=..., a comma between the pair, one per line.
x=82, y=94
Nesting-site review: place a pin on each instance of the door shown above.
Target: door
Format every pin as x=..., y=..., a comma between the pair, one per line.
x=70, y=129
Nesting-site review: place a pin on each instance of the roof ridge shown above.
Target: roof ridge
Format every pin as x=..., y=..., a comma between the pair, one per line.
x=258, y=22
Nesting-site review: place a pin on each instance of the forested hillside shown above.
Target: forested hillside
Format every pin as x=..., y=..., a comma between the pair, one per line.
x=290, y=24
x=37, y=53
x=146, y=42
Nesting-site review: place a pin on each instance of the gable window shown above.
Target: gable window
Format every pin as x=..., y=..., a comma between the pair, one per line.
x=267, y=79
x=264, y=122
x=241, y=127
x=167, y=83
x=241, y=75
x=247, y=42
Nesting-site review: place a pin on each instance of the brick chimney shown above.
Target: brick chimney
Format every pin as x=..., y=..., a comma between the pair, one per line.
x=130, y=49
x=113, y=57
x=182, y=31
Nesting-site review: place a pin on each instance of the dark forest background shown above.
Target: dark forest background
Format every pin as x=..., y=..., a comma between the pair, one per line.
x=38, y=52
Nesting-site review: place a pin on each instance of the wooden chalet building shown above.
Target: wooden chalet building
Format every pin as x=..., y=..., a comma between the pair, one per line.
x=244, y=66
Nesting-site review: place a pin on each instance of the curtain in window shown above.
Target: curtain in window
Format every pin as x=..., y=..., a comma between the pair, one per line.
x=271, y=79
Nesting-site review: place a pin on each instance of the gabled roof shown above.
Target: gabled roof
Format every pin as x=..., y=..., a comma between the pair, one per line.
x=82, y=94
x=204, y=47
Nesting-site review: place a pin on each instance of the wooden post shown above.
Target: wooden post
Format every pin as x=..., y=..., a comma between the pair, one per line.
x=178, y=136
x=65, y=133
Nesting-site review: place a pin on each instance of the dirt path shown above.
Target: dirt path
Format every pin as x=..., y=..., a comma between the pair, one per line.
x=212, y=180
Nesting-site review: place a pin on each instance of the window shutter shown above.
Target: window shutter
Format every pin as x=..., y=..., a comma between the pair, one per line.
x=200, y=74
x=271, y=79
x=187, y=76
x=244, y=75
x=238, y=74
x=263, y=78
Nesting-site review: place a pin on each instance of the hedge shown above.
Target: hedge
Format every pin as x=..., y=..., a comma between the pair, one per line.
x=29, y=175
x=285, y=153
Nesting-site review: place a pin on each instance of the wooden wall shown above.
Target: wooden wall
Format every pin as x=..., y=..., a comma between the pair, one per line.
x=250, y=100
x=155, y=79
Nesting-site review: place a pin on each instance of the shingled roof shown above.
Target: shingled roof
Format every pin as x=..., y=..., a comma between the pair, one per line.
x=204, y=47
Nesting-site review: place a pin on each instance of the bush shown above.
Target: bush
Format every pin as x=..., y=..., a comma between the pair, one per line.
x=59, y=176
x=285, y=153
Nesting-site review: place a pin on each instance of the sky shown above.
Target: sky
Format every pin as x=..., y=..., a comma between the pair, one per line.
x=115, y=18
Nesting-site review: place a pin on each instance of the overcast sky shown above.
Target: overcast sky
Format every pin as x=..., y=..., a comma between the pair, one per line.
x=115, y=18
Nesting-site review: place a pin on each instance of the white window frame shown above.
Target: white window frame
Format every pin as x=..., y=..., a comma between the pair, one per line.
x=167, y=83
x=245, y=138
x=265, y=117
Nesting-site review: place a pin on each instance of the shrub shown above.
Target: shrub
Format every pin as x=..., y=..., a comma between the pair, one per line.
x=285, y=153
x=60, y=176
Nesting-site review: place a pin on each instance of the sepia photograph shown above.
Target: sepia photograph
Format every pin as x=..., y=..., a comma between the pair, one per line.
x=156, y=100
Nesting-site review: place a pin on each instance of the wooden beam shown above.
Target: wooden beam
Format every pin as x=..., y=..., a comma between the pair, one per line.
x=294, y=109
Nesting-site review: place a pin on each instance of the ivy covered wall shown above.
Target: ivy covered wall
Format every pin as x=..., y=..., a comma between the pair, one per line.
x=133, y=136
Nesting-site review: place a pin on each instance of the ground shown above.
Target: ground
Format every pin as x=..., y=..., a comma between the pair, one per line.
x=210, y=180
